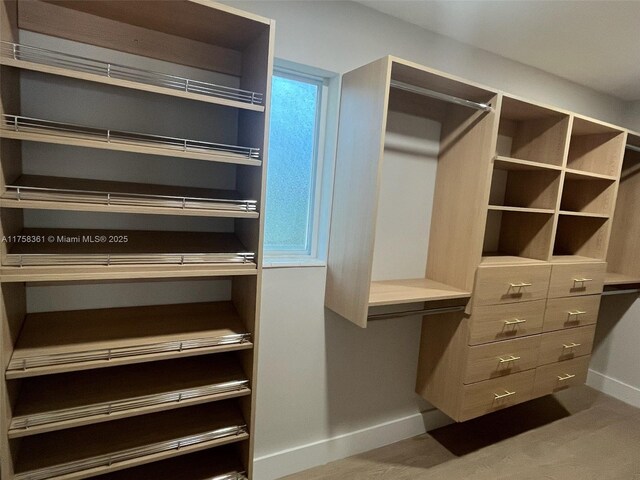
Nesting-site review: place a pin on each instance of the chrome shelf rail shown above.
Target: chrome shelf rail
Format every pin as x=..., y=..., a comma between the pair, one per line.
x=51, y=58
x=25, y=192
x=131, y=454
x=22, y=124
x=25, y=422
x=108, y=259
x=106, y=354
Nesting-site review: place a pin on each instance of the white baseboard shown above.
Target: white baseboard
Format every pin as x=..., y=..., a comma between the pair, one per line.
x=286, y=462
x=614, y=387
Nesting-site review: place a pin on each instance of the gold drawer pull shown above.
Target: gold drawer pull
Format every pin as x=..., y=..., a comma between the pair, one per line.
x=571, y=345
x=566, y=377
x=515, y=321
x=582, y=280
x=520, y=285
x=577, y=312
x=510, y=358
x=506, y=393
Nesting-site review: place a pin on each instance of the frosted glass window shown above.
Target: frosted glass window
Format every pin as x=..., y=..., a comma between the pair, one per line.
x=292, y=164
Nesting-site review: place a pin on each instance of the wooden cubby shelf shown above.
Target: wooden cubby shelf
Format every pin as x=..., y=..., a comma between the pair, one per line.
x=507, y=163
x=41, y=130
x=531, y=132
x=510, y=234
x=87, y=397
x=396, y=292
x=83, y=452
x=58, y=342
x=595, y=148
x=77, y=194
x=588, y=196
x=581, y=236
x=111, y=73
x=68, y=246
x=501, y=208
x=219, y=463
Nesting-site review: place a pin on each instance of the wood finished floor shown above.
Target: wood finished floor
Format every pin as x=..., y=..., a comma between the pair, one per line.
x=577, y=434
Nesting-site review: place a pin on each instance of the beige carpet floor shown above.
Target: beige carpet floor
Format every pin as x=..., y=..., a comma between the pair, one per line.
x=577, y=434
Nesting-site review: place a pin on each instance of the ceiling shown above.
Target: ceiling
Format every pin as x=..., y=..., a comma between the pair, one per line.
x=593, y=43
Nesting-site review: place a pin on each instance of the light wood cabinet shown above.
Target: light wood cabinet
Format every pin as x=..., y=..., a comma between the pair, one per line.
x=523, y=202
x=179, y=90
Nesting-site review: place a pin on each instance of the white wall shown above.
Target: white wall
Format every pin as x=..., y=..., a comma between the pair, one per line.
x=328, y=389
x=631, y=116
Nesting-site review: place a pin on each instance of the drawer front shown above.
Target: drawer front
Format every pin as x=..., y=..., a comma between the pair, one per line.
x=494, y=360
x=491, y=395
x=566, y=344
x=558, y=376
x=497, y=285
x=571, y=312
x=577, y=279
x=491, y=323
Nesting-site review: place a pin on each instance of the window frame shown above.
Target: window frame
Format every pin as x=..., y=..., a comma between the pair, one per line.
x=321, y=169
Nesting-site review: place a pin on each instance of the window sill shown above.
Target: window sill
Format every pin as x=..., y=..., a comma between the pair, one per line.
x=291, y=262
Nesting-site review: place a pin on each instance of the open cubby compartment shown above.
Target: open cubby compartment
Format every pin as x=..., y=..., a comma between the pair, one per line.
x=224, y=49
x=520, y=236
x=582, y=237
x=531, y=132
x=420, y=131
x=587, y=195
x=535, y=188
x=595, y=148
x=622, y=256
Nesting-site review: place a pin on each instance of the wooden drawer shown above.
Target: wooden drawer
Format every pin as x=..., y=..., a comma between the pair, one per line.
x=558, y=376
x=571, y=312
x=498, y=359
x=566, y=344
x=496, y=285
x=491, y=395
x=490, y=323
x=577, y=279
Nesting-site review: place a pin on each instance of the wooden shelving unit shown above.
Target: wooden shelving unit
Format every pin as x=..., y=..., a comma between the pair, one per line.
x=142, y=391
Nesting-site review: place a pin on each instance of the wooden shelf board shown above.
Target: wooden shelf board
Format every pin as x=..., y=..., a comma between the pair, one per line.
x=395, y=292
x=500, y=208
x=203, y=465
x=64, y=72
x=92, y=391
x=508, y=163
x=104, y=272
x=502, y=259
x=97, y=200
x=573, y=259
x=76, y=331
x=83, y=443
x=584, y=214
x=138, y=242
x=574, y=174
x=139, y=148
x=612, y=278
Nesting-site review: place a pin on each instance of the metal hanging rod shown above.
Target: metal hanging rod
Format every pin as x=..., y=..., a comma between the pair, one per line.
x=632, y=147
x=410, y=313
x=440, y=96
x=627, y=291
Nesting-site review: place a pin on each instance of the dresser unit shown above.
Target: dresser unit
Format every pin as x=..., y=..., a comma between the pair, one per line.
x=523, y=202
x=133, y=146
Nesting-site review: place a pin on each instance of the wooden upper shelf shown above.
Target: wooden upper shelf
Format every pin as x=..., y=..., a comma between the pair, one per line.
x=396, y=292
x=56, y=342
x=62, y=193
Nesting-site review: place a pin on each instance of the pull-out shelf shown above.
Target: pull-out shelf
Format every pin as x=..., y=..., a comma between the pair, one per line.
x=47, y=247
x=81, y=398
x=60, y=193
x=87, y=451
x=56, y=342
x=74, y=66
x=41, y=130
